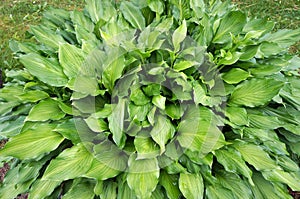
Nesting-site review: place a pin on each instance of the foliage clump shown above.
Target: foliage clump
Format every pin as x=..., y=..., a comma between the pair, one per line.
x=152, y=99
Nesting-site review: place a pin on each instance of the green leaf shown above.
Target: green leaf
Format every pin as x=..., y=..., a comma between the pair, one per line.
x=45, y=110
x=235, y=75
x=42, y=188
x=109, y=161
x=71, y=59
x=162, y=131
x=139, y=98
x=204, y=137
x=159, y=101
x=133, y=15
x=145, y=147
x=47, y=70
x=156, y=6
x=179, y=35
x=255, y=156
x=81, y=188
x=264, y=188
x=33, y=143
x=116, y=123
x=47, y=37
x=258, y=27
x=264, y=121
x=232, y=23
x=170, y=183
x=74, y=129
x=234, y=183
x=174, y=111
x=124, y=191
x=255, y=92
x=79, y=18
x=142, y=176
x=100, y=10
x=69, y=164
x=113, y=69
x=217, y=191
x=32, y=96
x=191, y=185
x=96, y=125
x=284, y=38
x=182, y=65
x=292, y=179
x=233, y=162
x=109, y=190
x=237, y=115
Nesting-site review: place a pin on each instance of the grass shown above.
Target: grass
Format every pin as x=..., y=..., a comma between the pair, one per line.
x=17, y=15
x=286, y=14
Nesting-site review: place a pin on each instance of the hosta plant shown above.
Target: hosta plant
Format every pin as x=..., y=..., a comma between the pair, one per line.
x=152, y=99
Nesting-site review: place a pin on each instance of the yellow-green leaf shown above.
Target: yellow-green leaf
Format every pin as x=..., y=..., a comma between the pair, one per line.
x=71, y=163
x=33, y=143
x=45, y=110
x=191, y=185
x=142, y=176
x=255, y=92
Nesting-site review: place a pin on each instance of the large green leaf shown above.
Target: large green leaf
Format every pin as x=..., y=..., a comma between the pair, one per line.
x=255, y=156
x=191, y=185
x=113, y=68
x=109, y=161
x=145, y=147
x=237, y=115
x=42, y=188
x=142, y=176
x=235, y=75
x=255, y=92
x=116, y=123
x=178, y=36
x=47, y=70
x=71, y=59
x=218, y=191
x=234, y=183
x=264, y=188
x=162, y=131
x=71, y=163
x=33, y=143
x=81, y=188
x=45, y=110
x=233, y=162
x=204, y=137
x=47, y=36
x=133, y=15
x=292, y=179
x=232, y=23
x=170, y=183
x=69, y=129
x=284, y=38
x=100, y=10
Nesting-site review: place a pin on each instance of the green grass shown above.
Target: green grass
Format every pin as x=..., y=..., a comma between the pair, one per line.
x=286, y=14
x=16, y=17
